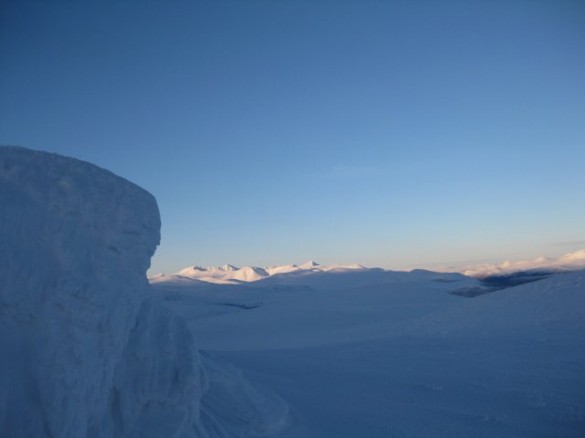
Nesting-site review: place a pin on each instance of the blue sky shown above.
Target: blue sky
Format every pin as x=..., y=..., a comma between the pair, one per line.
x=394, y=134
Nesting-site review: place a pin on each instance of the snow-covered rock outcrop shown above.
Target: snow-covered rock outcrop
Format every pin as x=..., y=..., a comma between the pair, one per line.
x=85, y=349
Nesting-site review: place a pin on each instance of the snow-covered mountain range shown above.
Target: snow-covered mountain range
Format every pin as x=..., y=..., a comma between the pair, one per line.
x=229, y=274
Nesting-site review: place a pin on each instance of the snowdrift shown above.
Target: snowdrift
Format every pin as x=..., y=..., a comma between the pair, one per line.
x=87, y=350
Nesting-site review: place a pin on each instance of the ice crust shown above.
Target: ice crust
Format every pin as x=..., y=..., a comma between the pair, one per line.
x=86, y=349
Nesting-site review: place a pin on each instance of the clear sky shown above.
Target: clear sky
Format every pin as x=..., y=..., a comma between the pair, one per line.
x=387, y=133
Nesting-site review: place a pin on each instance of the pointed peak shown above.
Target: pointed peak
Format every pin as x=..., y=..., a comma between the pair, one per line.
x=309, y=264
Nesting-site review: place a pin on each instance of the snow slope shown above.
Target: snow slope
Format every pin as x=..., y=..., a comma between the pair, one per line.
x=381, y=354
x=86, y=349
x=534, y=310
x=311, y=309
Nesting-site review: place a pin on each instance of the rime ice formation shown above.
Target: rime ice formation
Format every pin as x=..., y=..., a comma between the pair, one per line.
x=85, y=349
x=81, y=339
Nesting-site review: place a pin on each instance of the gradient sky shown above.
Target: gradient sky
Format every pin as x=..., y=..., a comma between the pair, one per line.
x=387, y=133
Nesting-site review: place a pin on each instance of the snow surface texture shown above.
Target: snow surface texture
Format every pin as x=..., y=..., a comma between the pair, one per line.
x=86, y=349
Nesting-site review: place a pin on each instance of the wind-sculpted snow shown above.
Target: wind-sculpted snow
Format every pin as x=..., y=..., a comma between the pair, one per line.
x=86, y=349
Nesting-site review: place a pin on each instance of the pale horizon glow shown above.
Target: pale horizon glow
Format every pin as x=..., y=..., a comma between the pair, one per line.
x=479, y=268
x=393, y=134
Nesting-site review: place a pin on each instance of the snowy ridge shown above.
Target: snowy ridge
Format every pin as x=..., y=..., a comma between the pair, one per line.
x=87, y=349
